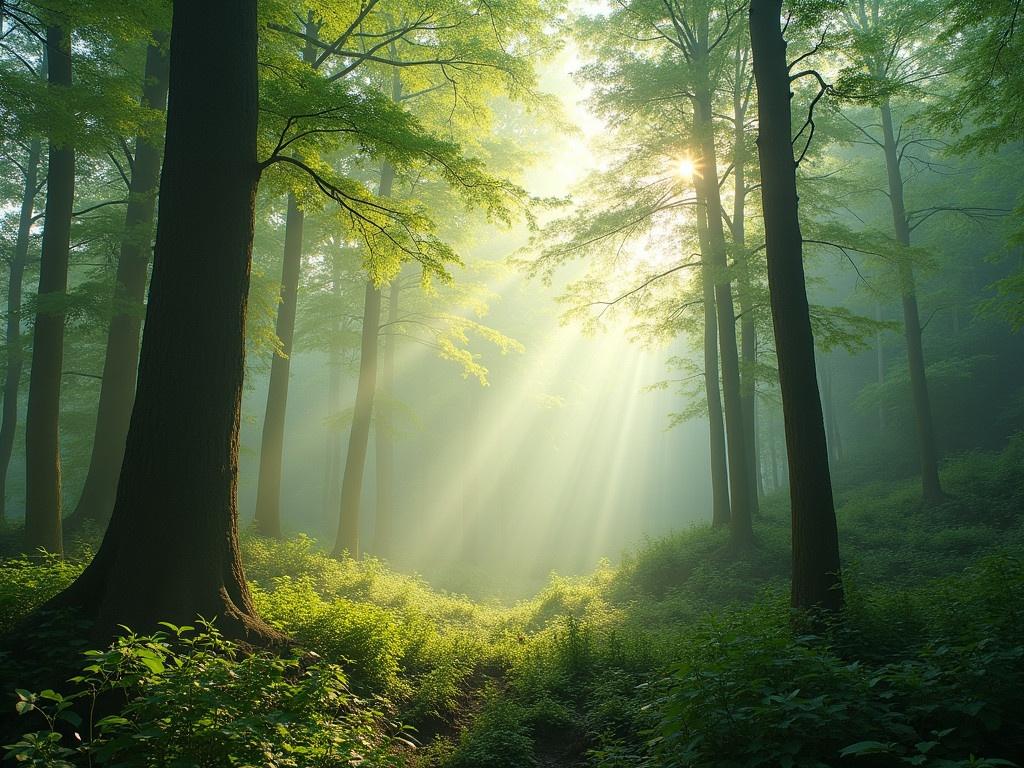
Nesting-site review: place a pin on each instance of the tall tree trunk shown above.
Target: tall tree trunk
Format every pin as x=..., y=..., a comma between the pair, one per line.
x=355, y=461
x=15, y=356
x=816, y=570
x=359, y=437
x=42, y=421
x=927, y=451
x=748, y=332
x=120, y=365
x=268, y=488
x=332, y=470
x=384, y=530
x=740, y=521
x=880, y=359
x=721, y=512
x=171, y=550
x=774, y=453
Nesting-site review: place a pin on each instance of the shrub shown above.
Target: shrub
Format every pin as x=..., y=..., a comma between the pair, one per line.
x=193, y=698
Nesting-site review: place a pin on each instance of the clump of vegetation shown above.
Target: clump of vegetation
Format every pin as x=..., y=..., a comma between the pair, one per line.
x=189, y=697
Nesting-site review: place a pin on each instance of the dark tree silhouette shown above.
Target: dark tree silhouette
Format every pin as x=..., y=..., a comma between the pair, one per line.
x=816, y=574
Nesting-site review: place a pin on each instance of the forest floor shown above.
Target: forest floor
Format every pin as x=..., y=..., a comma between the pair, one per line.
x=678, y=656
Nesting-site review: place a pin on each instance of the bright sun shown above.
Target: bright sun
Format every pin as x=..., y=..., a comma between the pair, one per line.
x=685, y=168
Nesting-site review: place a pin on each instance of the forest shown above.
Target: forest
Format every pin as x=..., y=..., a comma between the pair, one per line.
x=512, y=383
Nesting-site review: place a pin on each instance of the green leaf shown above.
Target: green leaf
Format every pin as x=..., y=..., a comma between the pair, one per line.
x=866, y=748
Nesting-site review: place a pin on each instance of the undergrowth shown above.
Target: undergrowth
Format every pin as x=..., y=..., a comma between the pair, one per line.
x=679, y=656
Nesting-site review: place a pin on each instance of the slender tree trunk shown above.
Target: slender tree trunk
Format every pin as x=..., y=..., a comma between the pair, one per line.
x=748, y=332
x=383, y=428
x=880, y=359
x=42, y=421
x=120, y=365
x=774, y=453
x=816, y=570
x=359, y=437
x=15, y=354
x=927, y=451
x=171, y=550
x=335, y=376
x=736, y=446
x=268, y=491
x=268, y=488
x=721, y=512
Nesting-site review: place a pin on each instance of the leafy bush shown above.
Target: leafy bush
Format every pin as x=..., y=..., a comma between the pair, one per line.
x=193, y=698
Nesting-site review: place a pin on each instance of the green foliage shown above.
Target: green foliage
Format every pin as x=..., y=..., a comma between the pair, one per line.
x=193, y=698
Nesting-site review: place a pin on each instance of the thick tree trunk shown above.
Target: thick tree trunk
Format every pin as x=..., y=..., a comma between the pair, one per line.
x=15, y=358
x=736, y=445
x=120, y=365
x=927, y=451
x=268, y=489
x=359, y=437
x=42, y=421
x=171, y=550
x=816, y=570
x=384, y=530
x=721, y=512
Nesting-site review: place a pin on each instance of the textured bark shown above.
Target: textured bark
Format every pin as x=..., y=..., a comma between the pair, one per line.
x=268, y=489
x=741, y=531
x=117, y=391
x=927, y=451
x=384, y=531
x=721, y=511
x=816, y=570
x=15, y=354
x=42, y=420
x=171, y=550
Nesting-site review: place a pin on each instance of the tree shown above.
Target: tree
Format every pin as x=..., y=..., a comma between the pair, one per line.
x=887, y=40
x=171, y=550
x=42, y=422
x=816, y=569
x=120, y=364
x=15, y=354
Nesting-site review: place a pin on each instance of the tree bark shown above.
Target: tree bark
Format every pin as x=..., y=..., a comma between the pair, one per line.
x=42, y=421
x=120, y=365
x=268, y=489
x=816, y=580
x=927, y=452
x=741, y=531
x=721, y=512
x=384, y=530
x=171, y=550
x=15, y=354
